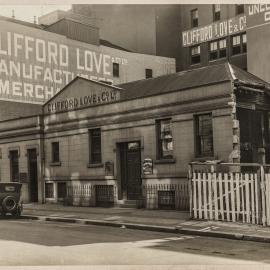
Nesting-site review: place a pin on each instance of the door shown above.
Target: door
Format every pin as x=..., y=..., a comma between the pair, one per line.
x=130, y=162
x=33, y=175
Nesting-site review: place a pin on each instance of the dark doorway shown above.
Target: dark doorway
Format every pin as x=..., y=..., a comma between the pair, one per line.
x=130, y=164
x=254, y=134
x=33, y=175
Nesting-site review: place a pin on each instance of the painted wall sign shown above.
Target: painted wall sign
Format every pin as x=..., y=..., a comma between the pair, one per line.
x=147, y=166
x=214, y=31
x=258, y=14
x=36, y=64
x=74, y=103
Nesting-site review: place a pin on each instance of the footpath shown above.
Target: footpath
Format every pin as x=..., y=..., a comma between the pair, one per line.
x=142, y=219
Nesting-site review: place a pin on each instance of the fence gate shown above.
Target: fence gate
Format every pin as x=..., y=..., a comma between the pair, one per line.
x=229, y=196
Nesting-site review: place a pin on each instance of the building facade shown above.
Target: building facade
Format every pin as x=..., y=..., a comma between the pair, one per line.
x=39, y=60
x=195, y=35
x=94, y=143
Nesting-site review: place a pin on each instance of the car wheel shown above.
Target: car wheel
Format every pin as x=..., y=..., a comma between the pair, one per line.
x=9, y=204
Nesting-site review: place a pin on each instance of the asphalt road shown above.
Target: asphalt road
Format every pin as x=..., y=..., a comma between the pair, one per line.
x=26, y=242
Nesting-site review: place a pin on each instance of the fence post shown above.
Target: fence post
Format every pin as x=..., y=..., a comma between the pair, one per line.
x=190, y=190
x=262, y=175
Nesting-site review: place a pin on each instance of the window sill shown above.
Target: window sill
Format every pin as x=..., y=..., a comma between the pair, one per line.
x=204, y=158
x=55, y=163
x=165, y=161
x=238, y=54
x=95, y=165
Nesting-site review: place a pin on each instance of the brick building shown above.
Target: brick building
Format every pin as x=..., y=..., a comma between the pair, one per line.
x=110, y=143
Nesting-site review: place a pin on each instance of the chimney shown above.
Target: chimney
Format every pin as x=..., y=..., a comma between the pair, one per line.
x=13, y=14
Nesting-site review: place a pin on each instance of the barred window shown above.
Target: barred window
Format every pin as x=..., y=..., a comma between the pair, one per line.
x=164, y=139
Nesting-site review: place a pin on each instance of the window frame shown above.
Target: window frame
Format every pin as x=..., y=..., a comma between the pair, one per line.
x=116, y=72
x=53, y=144
x=199, y=153
x=216, y=12
x=239, y=9
x=91, y=136
x=242, y=45
x=12, y=165
x=146, y=73
x=218, y=50
x=194, y=56
x=159, y=141
x=194, y=19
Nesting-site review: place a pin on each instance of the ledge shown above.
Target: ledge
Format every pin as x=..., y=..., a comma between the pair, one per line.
x=55, y=163
x=204, y=158
x=95, y=165
x=165, y=161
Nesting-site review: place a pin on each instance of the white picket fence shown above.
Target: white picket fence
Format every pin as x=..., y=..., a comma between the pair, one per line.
x=231, y=196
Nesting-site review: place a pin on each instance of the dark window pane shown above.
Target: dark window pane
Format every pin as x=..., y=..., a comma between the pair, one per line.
x=236, y=49
x=14, y=165
x=213, y=55
x=95, y=145
x=55, y=152
x=115, y=70
x=49, y=190
x=61, y=190
x=148, y=73
x=195, y=59
x=239, y=9
x=194, y=18
x=222, y=53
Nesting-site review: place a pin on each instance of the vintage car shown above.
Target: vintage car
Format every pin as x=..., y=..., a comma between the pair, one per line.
x=10, y=199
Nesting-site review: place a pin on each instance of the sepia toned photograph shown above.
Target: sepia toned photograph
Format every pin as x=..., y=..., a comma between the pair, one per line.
x=134, y=135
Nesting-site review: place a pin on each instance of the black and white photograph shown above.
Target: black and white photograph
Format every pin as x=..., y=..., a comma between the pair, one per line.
x=134, y=135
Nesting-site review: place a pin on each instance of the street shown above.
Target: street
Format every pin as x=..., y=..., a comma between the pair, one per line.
x=28, y=242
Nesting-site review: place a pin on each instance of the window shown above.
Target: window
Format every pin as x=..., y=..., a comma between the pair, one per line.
x=95, y=146
x=115, y=70
x=222, y=48
x=148, y=73
x=239, y=44
x=216, y=12
x=195, y=55
x=204, y=135
x=194, y=18
x=164, y=139
x=14, y=165
x=213, y=50
x=55, y=152
x=61, y=190
x=49, y=190
x=244, y=43
x=217, y=49
x=239, y=9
